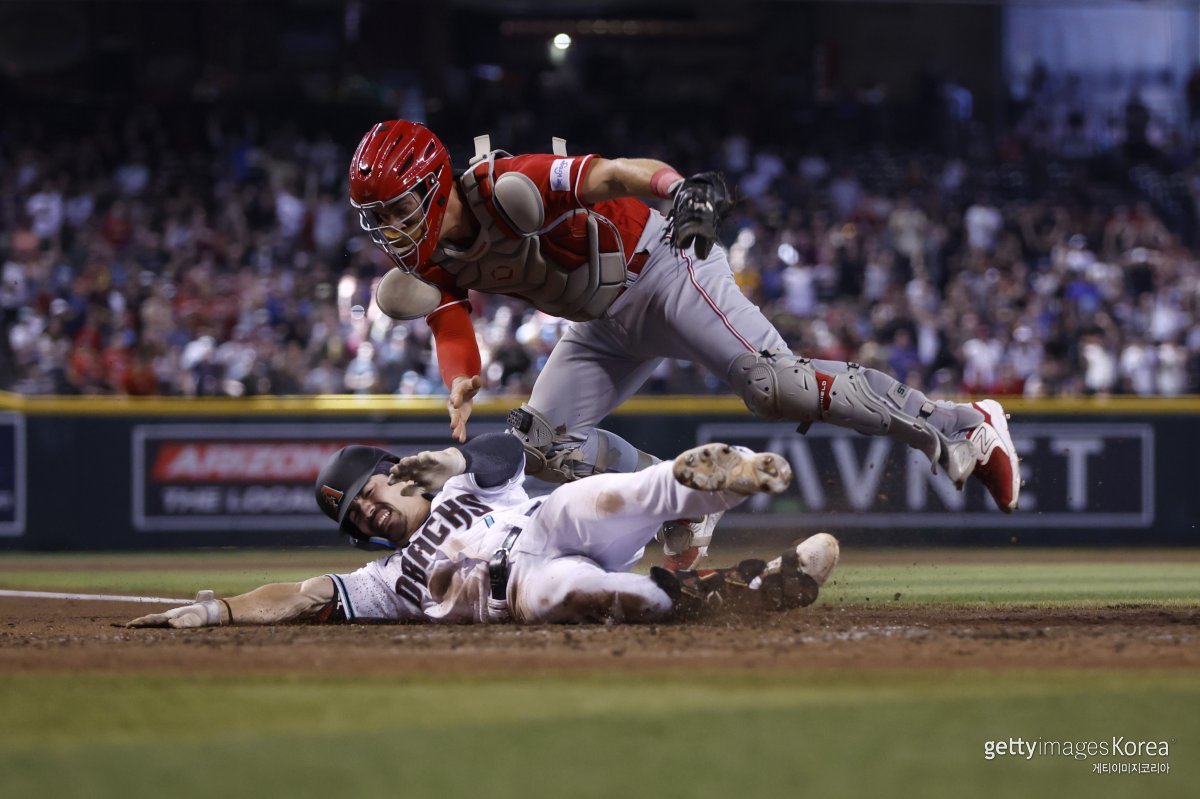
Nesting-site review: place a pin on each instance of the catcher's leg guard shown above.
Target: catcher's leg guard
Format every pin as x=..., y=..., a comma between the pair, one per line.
x=552, y=455
x=778, y=385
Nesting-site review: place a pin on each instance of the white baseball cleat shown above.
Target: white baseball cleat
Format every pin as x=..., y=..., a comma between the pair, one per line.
x=720, y=467
x=815, y=556
x=818, y=555
x=997, y=465
x=794, y=579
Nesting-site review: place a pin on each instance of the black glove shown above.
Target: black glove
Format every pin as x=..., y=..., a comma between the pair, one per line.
x=699, y=203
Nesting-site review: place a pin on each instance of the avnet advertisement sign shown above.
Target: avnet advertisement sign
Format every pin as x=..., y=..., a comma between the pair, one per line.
x=251, y=476
x=1078, y=476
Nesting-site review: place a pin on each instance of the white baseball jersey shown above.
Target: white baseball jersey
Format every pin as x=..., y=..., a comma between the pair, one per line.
x=442, y=574
x=570, y=562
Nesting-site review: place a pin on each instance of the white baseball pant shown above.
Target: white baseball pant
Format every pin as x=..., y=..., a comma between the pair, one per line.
x=572, y=564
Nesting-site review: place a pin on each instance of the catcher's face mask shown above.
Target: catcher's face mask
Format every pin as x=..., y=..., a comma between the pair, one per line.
x=400, y=182
x=400, y=225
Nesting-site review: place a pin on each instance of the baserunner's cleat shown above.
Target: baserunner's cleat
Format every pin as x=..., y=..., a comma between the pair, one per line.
x=720, y=467
x=793, y=580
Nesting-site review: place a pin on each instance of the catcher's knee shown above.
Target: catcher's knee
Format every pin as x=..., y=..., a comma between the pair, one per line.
x=778, y=385
x=556, y=457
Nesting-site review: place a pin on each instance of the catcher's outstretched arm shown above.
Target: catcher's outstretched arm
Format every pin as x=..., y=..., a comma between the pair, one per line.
x=610, y=178
x=698, y=203
x=268, y=604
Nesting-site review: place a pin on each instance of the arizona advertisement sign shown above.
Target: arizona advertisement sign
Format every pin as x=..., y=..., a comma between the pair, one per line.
x=246, y=477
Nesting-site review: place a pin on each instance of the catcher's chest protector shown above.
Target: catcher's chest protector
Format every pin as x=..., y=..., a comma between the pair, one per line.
x=507, y=256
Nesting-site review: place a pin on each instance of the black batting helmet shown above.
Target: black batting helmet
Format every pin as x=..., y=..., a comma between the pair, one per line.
x=339, y=482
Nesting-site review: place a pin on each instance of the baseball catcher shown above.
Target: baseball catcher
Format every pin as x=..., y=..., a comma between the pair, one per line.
x=573, y=236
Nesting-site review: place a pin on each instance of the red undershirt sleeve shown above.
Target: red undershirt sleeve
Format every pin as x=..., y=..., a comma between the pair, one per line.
x=454, y=338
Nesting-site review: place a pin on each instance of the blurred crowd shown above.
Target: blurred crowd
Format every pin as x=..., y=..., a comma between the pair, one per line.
x=223, y=259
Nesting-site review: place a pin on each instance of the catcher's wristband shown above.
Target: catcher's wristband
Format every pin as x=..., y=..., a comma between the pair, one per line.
x=664, y=182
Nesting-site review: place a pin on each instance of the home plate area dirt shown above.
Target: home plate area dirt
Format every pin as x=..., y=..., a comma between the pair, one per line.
x=65, y=635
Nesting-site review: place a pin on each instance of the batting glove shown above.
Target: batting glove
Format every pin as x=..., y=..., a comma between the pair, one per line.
x=206, y=612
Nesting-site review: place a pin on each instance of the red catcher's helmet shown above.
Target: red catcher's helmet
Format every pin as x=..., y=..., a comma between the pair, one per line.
x=399, y=181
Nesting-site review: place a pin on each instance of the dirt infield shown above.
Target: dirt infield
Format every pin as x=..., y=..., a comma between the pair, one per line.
x=65, y=635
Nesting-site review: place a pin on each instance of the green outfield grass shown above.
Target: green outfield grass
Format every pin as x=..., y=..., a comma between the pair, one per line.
x=826, y=734
x=763, y=735
x=923, y=577
x=1040, y=584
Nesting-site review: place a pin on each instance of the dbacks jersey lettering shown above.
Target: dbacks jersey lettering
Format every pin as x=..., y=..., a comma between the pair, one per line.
x=459, y=512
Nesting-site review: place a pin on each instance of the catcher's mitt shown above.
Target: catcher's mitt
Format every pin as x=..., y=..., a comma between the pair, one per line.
x=699, y=203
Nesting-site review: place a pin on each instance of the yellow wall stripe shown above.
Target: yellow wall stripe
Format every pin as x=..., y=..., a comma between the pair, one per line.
x=386, y=405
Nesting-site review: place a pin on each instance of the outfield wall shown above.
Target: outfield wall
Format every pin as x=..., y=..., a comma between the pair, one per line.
x=131, y=473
